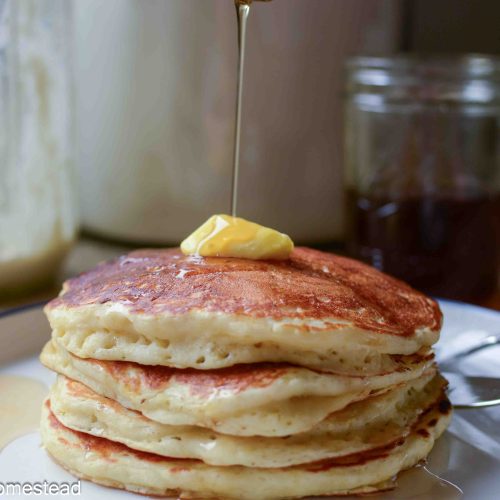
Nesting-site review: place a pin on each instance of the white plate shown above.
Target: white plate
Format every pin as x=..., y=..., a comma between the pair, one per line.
x=468, y=455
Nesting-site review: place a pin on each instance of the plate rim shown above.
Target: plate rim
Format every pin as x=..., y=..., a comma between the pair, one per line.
x=11, y=311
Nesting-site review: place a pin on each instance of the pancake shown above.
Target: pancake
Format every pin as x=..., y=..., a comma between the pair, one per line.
x=362, y=426
x=113, y=464
x=266, y=399
x=159, y=307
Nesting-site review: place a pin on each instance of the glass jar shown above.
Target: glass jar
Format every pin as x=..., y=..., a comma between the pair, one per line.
x=37, y=216
x=423, y=170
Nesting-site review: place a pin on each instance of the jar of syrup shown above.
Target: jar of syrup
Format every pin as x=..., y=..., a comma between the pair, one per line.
x=423, y=170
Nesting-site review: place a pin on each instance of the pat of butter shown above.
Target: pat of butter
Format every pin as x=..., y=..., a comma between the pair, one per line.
x=226, y=236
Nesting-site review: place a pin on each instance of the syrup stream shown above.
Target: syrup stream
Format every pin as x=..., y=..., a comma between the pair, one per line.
x=242, y=11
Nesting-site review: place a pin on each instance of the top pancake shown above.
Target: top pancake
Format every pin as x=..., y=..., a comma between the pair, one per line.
x=311, y=284
x=313, y=300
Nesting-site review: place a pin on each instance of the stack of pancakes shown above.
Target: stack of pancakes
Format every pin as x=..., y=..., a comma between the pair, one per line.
x=233, y=378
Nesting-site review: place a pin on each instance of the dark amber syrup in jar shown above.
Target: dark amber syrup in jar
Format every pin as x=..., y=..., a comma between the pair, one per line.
x=443, y=245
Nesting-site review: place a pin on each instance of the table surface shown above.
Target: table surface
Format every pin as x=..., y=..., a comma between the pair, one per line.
x=87, y=253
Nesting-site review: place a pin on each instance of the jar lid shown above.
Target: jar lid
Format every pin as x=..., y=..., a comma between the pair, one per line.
x=465, y=78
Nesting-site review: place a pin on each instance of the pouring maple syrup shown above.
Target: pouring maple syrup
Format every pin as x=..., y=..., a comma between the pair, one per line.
x=242, y=12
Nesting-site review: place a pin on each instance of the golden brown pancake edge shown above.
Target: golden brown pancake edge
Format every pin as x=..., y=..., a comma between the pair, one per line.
x=310, y=285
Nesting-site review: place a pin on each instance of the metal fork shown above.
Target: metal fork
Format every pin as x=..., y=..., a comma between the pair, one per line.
x=471, y=392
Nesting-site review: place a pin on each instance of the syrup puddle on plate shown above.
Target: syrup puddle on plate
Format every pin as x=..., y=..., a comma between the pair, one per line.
x=421, y=483
x=417, y=483
x=424, y=481
x=21, y=401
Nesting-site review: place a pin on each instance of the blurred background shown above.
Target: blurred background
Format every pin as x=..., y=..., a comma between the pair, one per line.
x=368, y=128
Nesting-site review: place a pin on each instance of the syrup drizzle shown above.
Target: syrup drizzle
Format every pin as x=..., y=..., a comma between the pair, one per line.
x=420, y=483
x=242, y=11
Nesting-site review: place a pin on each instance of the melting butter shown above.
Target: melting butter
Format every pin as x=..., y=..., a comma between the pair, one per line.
x=21, y=400
x=227, y=236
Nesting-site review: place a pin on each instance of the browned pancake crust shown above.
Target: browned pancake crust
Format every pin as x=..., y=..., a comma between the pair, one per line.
x=235, y=378
x=106, y=448
x=103, y=447
x=310, y=285
x=206, y=383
